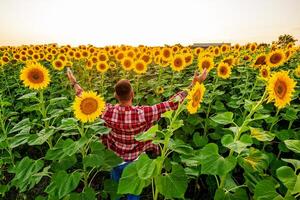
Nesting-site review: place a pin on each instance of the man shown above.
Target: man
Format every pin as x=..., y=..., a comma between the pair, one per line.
x=126, y=121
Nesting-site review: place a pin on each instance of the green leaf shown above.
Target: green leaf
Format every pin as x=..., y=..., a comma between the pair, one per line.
x=68, y=124
x=254, y=161
x=287, y=176
x=111, y=188
x=71, y=147
x=57, y=100
x=261, y=135
x=62, y=184
x=93, y=160
x=214, y=164
x=27, y=173
x=199, y=141
x=31, y=95
x=130, y=182
x=17, y=140
x=223, y=118
x=148, y=135
x=237, y=146
x=293, y=145
x=111, y=160
x=180, y=147
x=266, y=190
x=23, y=124
x=35, y=139
x=238, y=194
x=174, y=184
x=294, y=162
x=168, y=114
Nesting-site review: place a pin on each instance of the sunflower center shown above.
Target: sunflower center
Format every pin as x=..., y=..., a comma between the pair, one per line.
x=88, y=106
x=36, y=76
x=260, y=60
x=139, y=66
x=280, y=89
x=178, y=62
x=196, y=98
x=264, y=73
x=205, y=64
x=275, y=58
x=223, y=70
x=127, y=63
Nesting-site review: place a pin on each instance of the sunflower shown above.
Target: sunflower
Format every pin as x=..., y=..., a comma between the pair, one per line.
x=264, y=72
x=146, y=58
x=195, y=97
x=178, y=62
x=229, y=60
x=120, y=55
x=88, y=106
x=102, y=56
x=205, y=62
x=166, y=54
x=102, y=67
x=224, y=48
x=275, y=58
x=159, y=90
x=58, y=64
x=127, y=63
x=297, y=72
x=35, y=76
x=260, y=60
x=253, y=47
x=280, y=89
x=89, y=64
x=140, y=67
x=216, y=51
x=188, y=57
x=224, y=70
x=247, y=58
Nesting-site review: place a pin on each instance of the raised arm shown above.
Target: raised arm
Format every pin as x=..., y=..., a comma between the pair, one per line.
x=78, y=89
x=153, y=113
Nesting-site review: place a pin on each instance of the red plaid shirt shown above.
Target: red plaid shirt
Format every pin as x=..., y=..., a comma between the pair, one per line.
x=127, y=121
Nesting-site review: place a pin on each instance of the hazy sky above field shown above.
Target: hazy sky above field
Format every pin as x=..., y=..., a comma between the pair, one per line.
x=153, y=22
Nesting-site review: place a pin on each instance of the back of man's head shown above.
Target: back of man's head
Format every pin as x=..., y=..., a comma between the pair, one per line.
x=123, y=90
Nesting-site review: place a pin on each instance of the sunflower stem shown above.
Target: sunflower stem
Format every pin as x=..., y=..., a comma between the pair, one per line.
x=209, y=105
x=240, y=130
x=43, y=111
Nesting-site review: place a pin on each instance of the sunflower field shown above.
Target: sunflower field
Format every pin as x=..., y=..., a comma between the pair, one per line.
x=235, y=136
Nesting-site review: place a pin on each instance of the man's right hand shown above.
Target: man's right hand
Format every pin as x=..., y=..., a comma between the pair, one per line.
x=199, y=78
x=72, y=79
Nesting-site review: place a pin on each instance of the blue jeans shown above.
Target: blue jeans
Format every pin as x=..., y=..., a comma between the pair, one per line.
x=116, y=175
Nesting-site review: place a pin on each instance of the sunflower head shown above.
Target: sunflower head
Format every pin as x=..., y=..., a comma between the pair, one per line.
x=276, y=58
x=102, y=67
x=140, y=67
x=127, y=63
x=297, y=72
x=195, y=97
x=224, y=70
x=205, y=62
x=260, y=60
x=280, y=88
x=58, y=64
x=178, y=62
x=35, y=76
x=166, y=53
x=88, y=106
x=264, y=72
x=229, y=60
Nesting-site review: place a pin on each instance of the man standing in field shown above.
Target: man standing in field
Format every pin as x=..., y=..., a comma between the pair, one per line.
x=126, y=121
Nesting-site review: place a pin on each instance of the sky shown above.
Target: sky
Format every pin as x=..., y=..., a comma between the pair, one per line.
x=148, y=22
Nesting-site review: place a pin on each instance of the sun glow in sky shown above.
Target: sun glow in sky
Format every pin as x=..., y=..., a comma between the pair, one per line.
x=153, y=22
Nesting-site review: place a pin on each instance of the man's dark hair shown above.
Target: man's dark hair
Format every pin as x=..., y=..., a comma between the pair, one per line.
x=123, y=89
